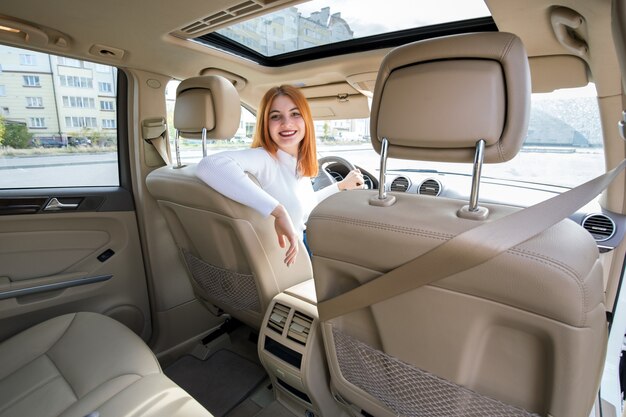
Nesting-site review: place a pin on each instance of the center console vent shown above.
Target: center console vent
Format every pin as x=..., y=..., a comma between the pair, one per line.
x=299, y=328
x=278, y=318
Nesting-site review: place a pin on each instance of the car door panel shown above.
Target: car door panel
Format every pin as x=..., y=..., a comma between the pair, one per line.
x=87, y=258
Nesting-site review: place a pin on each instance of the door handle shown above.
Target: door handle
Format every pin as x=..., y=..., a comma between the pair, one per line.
x=55, y=205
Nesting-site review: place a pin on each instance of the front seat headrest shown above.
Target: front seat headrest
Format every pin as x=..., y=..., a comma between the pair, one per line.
x=435, y=99
x=210, y=102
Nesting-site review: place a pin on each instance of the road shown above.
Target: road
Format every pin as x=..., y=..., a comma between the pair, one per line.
x=70, y=170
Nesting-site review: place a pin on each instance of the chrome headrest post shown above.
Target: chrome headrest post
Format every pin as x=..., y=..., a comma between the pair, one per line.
x=384, y=149
x=203, y=142
x=382, y=199
x=177, y=148
x=478, y=165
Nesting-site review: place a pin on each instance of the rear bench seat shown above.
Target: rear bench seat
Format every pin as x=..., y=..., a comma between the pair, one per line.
x=86, y=364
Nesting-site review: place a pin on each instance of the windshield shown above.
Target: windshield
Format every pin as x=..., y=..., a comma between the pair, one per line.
x=563, y=146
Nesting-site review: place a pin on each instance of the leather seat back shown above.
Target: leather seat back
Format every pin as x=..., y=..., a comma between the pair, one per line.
x=522, y=333
x=230, y=250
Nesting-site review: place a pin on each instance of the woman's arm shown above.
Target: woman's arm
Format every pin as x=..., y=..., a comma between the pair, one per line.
x=354, y=180
x=226, y=173
x=286, y=231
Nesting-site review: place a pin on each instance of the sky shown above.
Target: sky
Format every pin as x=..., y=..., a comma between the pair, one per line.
x=367, y=17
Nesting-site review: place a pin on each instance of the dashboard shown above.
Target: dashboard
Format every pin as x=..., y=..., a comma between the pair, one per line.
x=607, y=228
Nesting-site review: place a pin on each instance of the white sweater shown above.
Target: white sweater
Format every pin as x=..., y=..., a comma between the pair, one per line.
x=279, y=182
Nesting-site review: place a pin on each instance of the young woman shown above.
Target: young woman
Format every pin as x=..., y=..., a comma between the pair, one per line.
x=283, y=159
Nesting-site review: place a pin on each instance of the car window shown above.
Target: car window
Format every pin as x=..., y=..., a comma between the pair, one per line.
x=191, y=149
x=58, y=121
x=563, y=146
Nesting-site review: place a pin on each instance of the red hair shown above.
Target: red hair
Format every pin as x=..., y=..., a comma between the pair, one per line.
x=307, y=152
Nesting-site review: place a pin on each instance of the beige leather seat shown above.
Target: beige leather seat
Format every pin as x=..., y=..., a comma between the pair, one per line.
x=522, y=333
x=231, y=251
x=83, y=363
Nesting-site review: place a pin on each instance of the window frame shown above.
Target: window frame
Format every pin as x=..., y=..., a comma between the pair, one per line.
x=33, y=125
x=38, y=104
x=28, y=78
x=105, y=87
x=28, y=60
x=110, y=106
x=82, y=122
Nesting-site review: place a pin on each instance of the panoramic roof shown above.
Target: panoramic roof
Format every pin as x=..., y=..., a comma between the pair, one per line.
x=302, y=31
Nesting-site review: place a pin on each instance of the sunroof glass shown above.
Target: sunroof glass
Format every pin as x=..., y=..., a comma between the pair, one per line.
x=323, y=22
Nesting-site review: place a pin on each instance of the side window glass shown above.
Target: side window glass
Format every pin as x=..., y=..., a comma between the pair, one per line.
x=58, y=121
x=191, y=149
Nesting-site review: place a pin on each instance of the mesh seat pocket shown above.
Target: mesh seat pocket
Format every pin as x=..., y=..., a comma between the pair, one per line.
x=408, y=390
x=232, y=288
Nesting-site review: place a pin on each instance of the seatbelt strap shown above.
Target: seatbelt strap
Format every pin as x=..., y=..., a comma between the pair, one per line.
x=160, y=145
x=154, y=131
x=468, y=249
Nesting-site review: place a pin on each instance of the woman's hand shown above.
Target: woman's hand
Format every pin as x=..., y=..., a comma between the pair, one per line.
x=354, y=180
x=286, y=233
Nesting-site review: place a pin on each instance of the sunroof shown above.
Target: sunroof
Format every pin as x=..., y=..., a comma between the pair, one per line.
x=323, y=22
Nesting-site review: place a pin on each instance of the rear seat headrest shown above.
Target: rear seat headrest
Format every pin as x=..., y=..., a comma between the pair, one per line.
x=210, y=102
x=435, y=99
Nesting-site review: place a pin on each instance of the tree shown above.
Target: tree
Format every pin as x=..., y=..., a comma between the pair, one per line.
x=16, y=136
x=2, y=128
x=326, y=130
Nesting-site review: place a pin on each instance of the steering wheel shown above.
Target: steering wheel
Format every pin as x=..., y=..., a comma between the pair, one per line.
x=324, y=179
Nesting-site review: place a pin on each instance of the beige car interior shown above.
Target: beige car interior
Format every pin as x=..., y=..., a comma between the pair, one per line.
x=244, y=271
x=523, y=334
x=535, y=309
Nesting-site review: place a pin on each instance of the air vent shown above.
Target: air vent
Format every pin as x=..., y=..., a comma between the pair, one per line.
x=600, y=226
x=401, y=184
x=299, y=328
x=278, y=318
x=211, y=22
x=429, y=187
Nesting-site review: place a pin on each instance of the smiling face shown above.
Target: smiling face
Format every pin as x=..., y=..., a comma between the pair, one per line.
x=286, y=125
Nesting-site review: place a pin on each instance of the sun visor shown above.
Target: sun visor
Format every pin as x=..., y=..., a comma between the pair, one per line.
x=549, y=73
x=336, y=101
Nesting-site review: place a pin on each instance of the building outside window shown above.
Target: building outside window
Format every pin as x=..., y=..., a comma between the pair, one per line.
x=108, y=123
x=79, y=102
x=105, y=87
x=26, y=59
x=37, y=122
x=74, y=81
x=36, y=102
x=106, y=105
x=69, y=62
x=31, y=81
x=3, y=91
x=81, y=122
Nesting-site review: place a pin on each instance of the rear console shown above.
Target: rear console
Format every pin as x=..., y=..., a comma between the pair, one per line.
x=292, y=352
